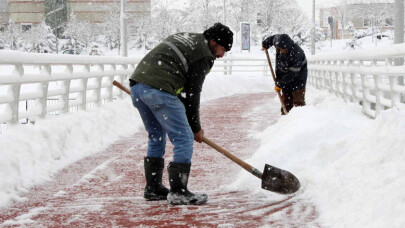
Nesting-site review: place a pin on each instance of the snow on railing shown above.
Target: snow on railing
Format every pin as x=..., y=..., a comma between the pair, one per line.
x=368, y=77
x=37, y=85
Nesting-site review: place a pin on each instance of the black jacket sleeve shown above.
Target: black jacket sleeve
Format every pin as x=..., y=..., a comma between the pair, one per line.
x=268, y=42
x=192, y=91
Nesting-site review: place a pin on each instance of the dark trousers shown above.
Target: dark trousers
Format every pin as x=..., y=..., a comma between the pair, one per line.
x=292, y=99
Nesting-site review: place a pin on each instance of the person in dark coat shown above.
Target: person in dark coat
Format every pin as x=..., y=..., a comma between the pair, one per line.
x=291, y=70
x=165, y=88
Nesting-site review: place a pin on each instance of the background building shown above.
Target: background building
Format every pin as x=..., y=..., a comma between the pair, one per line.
x=57, y=12
x=26, y=13
x=96, y=11
x=4, y=14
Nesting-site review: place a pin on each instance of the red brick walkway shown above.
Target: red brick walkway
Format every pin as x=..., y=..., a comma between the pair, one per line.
x=105, y=189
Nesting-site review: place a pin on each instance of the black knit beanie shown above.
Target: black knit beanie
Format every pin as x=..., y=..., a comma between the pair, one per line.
x=221, y=34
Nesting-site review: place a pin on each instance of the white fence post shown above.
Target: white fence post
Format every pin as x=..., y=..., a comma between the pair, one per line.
x=83, y=94
x=345, y=85
x=65, y=97
x=46, y=71
x=365, y=90
x=225, y=67
x=110, y=89
x=84, y=83
x=15, y=90
x=68, y=69
x=100, y=69
x=395, y=96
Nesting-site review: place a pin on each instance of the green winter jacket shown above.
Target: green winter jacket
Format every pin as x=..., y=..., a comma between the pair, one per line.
x=178, y=66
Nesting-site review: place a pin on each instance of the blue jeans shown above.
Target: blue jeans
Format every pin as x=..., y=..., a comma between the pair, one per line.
x=163, y=113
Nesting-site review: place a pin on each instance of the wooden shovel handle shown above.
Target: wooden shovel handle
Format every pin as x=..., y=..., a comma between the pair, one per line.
x=235, y=159
x=275, y=81
x=120, y=86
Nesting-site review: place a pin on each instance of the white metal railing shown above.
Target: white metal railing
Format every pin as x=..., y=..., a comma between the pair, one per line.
x=37, y=85
x=34, y=85
x=368, y=77
x=237, y=65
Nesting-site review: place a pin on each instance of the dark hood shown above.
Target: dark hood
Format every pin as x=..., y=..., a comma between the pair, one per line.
x=283, y=41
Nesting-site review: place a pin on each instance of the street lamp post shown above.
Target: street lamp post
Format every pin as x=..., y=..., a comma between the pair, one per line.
x=399, y=22
x=56, y=25
x=313, y=29
x=343, y=20
x=123, y=31
x=224, y=14
x=399, y=34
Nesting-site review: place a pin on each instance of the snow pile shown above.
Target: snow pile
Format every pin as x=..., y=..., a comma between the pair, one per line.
x=30, y=153
x=350, y=166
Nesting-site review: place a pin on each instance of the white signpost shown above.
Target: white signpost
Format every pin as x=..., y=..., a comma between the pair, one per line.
x=245, y=35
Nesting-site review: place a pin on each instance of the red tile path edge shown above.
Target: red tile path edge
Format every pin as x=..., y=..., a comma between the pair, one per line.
x=105, y=189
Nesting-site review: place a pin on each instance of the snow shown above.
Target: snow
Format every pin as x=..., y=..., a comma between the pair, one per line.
x=32, y=153
x=351, y=167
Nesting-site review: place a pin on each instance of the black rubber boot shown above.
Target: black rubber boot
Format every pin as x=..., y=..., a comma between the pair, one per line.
x=154, y=189
x=179, y=194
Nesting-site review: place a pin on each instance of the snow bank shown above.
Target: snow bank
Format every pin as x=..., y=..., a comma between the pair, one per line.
x=350, y=166
x=32, y=153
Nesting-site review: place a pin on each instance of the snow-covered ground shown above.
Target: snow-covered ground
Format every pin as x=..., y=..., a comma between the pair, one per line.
x=351, y=167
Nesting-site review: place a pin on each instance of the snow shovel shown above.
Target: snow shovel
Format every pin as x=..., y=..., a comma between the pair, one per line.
x=273, y=178
x=275, y=80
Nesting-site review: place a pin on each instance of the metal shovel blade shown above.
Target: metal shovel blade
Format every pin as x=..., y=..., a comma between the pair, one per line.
x=278, y=180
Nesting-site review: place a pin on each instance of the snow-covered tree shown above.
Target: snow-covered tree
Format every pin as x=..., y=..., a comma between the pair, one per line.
x=270, y=10
x=142, y=29
x=203, y=12
x=291, y=20
x=2, y=40
x=241, y=11
x=111, y=25
x=303, y=37
x=163, y=23
x=38, y=39
x=79, y=32
x=12, y=35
